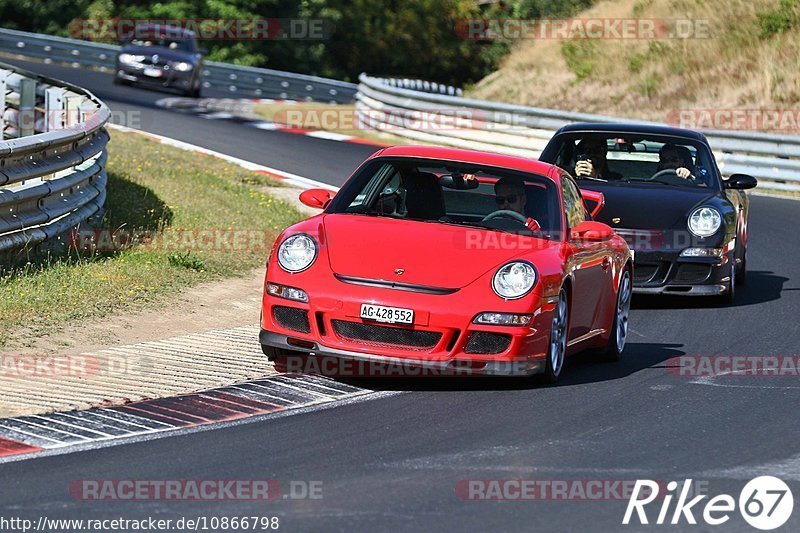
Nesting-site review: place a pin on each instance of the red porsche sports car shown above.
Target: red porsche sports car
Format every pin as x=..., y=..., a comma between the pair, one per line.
x=449, y=259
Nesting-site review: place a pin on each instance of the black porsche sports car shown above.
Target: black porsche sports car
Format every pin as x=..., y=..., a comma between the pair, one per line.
x=665, y=195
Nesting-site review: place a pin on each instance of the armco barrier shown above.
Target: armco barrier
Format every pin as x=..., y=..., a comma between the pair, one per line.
x=234, y=79
x=398, y=105
x=52, y=157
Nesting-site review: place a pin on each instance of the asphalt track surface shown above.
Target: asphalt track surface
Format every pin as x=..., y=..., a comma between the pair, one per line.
x=394, y=462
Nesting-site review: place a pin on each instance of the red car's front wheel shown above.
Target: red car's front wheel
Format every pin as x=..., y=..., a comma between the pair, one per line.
x=619, y=329
x=558, y=339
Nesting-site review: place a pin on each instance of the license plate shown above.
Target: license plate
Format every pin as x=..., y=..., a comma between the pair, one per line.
x=153, y=72
x=391, y=315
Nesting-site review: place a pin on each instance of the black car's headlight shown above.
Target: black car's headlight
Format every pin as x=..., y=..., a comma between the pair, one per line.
x=704, y=221
x=130, y=58
x=514, y=280
x=297, y=253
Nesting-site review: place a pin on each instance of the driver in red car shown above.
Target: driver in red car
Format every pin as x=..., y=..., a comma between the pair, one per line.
x=510, y=196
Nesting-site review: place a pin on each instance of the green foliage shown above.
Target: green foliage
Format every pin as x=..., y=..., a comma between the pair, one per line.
x=186, y=260
x=579, y=57
x=648, y=85
x=783, y=18
x=636, y=62
x=390, y=37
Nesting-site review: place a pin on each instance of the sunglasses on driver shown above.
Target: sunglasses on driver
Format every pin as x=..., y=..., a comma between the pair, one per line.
x=511, y=198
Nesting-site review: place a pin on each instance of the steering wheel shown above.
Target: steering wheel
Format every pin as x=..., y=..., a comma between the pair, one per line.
x=506, y=213
x=668, y=173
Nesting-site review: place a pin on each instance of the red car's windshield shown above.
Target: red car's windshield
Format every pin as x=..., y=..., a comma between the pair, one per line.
x=457, y=193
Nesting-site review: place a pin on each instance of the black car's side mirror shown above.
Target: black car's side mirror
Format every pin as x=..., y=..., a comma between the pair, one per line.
x=741, y=181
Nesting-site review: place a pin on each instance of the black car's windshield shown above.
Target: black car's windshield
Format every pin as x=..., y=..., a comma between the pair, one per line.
x=638, y=159
x=453, y=193
x=171, y=40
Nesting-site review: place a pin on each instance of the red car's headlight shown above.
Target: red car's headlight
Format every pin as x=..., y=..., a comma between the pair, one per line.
x=297, y=253
x=514, y=280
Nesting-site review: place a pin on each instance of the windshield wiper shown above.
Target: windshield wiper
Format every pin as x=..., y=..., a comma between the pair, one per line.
x=481, y=225
x=632, y=180
x=590, y=178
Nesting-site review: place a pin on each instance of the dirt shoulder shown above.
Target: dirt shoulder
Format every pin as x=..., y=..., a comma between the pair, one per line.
x=217, y=304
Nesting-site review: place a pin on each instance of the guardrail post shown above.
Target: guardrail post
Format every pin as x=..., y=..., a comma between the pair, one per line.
x=3, y=75
x=73, y=110
x=27, y=107
x=54, y=109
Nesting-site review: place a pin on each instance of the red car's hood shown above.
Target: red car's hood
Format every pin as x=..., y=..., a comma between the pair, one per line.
x=429, y=253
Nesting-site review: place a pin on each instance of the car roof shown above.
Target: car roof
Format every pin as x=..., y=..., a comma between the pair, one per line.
x=631, y=127
x=459, y=155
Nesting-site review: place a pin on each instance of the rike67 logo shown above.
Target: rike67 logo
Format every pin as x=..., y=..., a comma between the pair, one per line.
x=765, y=503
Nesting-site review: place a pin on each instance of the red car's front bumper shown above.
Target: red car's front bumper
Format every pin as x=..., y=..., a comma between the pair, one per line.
x=443, y=336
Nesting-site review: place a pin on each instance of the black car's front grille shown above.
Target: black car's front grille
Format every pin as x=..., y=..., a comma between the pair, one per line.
x=386, y=335
x=148, y=60
x=693, y=273
x=292, y=318
x=484, y=342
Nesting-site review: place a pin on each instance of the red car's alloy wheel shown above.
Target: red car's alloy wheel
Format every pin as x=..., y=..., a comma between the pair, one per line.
x=558, y=339
x=623, y=310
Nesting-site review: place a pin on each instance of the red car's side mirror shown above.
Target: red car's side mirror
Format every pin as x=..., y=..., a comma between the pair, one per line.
x=596, y=197
x=590, y=231
x=316, y=198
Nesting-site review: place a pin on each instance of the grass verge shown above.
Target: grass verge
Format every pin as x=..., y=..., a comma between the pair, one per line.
x=171, y=197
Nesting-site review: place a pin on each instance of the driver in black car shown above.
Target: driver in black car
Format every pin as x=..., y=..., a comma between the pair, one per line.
x=510, y=196
x=677, y=158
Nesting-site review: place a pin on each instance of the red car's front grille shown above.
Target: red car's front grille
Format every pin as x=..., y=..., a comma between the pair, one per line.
x=372, y=334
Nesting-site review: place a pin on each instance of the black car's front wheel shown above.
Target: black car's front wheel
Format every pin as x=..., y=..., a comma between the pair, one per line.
x=741, y=269
x=729, y=296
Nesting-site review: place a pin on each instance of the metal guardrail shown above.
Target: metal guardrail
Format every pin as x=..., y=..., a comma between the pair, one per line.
x=52, y=157
x=236, y=80
x=396, y=106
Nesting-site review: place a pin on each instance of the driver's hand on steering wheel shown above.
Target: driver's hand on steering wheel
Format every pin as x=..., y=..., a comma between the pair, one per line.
x=585, y=168
x=683, y=172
